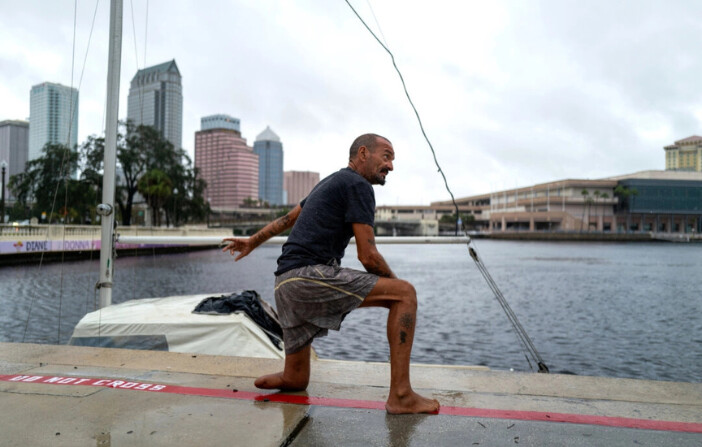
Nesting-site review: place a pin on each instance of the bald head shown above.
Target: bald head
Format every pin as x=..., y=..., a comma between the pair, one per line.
x=368, y=140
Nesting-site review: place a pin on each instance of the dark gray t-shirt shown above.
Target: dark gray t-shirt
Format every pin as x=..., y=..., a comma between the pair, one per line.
x=323, y=228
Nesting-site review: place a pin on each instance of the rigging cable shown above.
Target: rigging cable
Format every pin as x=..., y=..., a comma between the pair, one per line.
x=140, y=92
x=63, y=161
x=523, y=337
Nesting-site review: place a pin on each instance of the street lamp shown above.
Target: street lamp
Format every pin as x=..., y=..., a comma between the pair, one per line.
x=175, y=208
x=2, y=200
x=208, y=212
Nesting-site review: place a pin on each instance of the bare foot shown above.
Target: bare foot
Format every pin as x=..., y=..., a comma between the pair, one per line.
x=277, y=382
x=411, y=403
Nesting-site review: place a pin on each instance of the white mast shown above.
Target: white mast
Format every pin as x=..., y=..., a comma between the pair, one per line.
x=106, y=208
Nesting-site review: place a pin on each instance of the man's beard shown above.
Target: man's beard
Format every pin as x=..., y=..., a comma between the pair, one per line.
x=379, y=179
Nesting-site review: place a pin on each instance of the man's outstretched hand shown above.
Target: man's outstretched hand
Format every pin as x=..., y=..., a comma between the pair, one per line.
x=243, y=246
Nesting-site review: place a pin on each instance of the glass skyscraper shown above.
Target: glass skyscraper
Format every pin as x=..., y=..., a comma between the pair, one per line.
x=14, y=147
x=156, y=99
x=270, y=167
x=53, y=117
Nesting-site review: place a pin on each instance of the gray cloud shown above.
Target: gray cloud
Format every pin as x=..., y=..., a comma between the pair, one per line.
x=511, y=93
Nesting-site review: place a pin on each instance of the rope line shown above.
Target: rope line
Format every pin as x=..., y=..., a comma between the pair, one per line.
x=522, y=336
x=416, y=113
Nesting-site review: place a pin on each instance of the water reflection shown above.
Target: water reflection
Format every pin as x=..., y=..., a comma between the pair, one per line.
x=623, y=310
x=401, y=428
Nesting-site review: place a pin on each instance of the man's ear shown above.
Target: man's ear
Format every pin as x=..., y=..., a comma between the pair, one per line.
x=363, y=153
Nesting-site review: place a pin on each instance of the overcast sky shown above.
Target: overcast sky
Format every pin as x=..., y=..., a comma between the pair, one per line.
x=511, y=93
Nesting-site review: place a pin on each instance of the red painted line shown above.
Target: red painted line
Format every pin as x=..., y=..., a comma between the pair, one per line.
x=297, y=399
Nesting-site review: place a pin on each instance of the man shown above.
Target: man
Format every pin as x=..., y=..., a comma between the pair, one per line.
x=313, y=294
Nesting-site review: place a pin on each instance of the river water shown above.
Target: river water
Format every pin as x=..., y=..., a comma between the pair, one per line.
x=611, y=309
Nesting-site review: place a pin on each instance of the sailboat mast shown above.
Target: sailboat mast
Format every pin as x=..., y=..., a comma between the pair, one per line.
x=107, y=209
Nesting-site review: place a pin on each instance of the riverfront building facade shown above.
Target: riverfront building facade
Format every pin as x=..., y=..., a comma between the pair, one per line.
x=270, y=167
x=684, y=155
x=14, y=149
x=156, y=99
x=298, y=184
x=651, y=201
x=228, y=165
x=53, y=117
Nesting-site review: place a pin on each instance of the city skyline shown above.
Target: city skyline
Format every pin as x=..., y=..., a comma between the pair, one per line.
x=510, y=94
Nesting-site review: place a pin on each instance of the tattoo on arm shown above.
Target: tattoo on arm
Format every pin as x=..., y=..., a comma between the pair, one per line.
x=379, y=268
x=273, y=229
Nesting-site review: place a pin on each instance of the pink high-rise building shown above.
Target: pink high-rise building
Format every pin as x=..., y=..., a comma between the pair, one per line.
x=228, y=165
x=298, y=184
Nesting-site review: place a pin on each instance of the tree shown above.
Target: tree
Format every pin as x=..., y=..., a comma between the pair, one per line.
x=142, y=149
x=623, y=193
x=467, y=220
x=596, y=195
x=131, y=160
x=156, y=187
x=47, y=187
x=250, y=203
x=604, y=196
x=586, y=199
x=187, y=201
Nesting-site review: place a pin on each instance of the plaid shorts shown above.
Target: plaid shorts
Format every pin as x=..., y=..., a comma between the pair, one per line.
x=313, y=299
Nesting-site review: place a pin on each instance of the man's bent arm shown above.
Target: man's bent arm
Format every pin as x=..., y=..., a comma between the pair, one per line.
x=276, y=227
x=368, y=253
x=246, y=246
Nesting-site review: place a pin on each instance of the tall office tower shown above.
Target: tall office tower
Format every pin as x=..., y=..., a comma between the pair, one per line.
x=156, y=99
x=14, y=149
x=298, y=185
x=53, y=117
x=270, y=166
x=228, y=165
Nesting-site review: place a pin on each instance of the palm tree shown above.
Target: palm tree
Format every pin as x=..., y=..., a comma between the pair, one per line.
x=597, y=211
x=586, y=195
x=624, y=193
x=156, y=187
x=604, y=196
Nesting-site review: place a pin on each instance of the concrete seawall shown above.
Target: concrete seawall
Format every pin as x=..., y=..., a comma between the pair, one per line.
x=74, y=396
x=573, y=237
x=35, y=243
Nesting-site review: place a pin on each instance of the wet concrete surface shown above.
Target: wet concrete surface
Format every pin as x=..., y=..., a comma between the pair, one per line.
x=39, y=414
x=349, y=427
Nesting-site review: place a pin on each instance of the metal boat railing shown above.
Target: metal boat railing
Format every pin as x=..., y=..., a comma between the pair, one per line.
x=216, y=240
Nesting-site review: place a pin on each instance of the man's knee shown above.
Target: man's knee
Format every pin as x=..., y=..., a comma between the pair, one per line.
x=407, y=293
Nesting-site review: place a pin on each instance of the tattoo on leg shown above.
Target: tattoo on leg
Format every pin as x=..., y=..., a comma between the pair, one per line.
x=403, y=337
x=407, y=321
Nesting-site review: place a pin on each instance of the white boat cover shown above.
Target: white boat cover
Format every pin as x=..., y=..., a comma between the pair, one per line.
x=169, y=324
